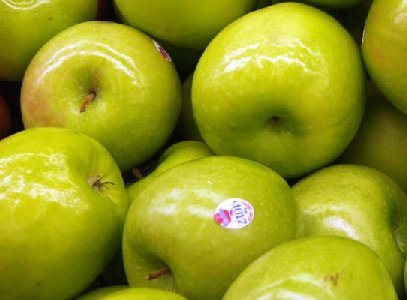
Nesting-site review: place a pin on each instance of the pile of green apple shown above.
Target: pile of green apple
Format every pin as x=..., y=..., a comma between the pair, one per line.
x=235, y=149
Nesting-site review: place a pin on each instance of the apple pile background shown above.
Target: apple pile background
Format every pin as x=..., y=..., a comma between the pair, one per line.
x=356, y=195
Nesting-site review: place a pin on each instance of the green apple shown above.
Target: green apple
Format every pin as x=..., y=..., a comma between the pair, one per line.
x=182, y=23
x=186, y=128
x=360, y=203
x=195, y=227
x=335, y=4
x=384, y=49
x=175, y=154
x=317, y=268
x=26, y=25
x=109, y=81
x=284, y=91
x=381, y=141
x=127, y=293
x=62, y=210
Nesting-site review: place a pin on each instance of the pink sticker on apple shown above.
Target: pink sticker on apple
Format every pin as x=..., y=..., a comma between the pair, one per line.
x=162, y=51
x=234, y=213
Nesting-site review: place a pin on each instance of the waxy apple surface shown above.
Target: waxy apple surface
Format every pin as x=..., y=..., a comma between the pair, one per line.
x=62, y=209
x=182, y=23
x=360, y=203
x=109, y=81
x=384, y=49
x=173, y=234
x=315, y=268
x=285, y=91
x=26, y=25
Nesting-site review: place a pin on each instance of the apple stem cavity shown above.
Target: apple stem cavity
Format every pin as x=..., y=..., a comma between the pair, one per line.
x=87, y=100
x=158, y=273
x=97, y=184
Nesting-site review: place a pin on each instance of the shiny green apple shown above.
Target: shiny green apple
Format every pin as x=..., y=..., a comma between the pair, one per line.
x=360, y=203
x=109, y=81
x=317, y=268
x=182, y=23
x=174, y=155
x=195, y=227
x=62, y=210
x=381, y=141
x=26, y=25
x=384, y=49
x=127, y=293
x=285, y=91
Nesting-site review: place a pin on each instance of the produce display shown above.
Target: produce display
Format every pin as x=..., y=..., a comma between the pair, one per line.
x=203, y=150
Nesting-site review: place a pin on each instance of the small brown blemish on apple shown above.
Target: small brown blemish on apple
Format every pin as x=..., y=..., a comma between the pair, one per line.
x=332, y=278
x=87, y=100
x=97, y=184
x=158, y=273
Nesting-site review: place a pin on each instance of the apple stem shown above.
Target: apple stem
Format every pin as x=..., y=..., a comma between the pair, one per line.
x=137, y=173
x=87, y=100
x=158, y=273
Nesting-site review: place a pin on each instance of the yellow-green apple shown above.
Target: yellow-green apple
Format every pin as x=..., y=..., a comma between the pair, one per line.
x=175, y=154
x=195, y=227
x=120, y=292
x=317, y=268
x=284, y=91
x=384, y=49
x=5, y=119
x=360, y=203
x=186, y=128
x=62, y=210
x=381, y=141
x=109, y=81
x=26, y=25
x=182, y=23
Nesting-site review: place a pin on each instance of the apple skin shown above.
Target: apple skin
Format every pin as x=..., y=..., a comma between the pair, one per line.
x=62, y=210
x=360, y=203
x=171, y=224
x=26, y=25
x=381, y=141
x=182, y=23
x=122, y=292
x=5, y=119
x=384, y=49
x=315, y=268
x=290, y=97
x=137, y=91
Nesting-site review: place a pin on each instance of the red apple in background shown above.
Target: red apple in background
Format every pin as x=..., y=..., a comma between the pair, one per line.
x=5, y=120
